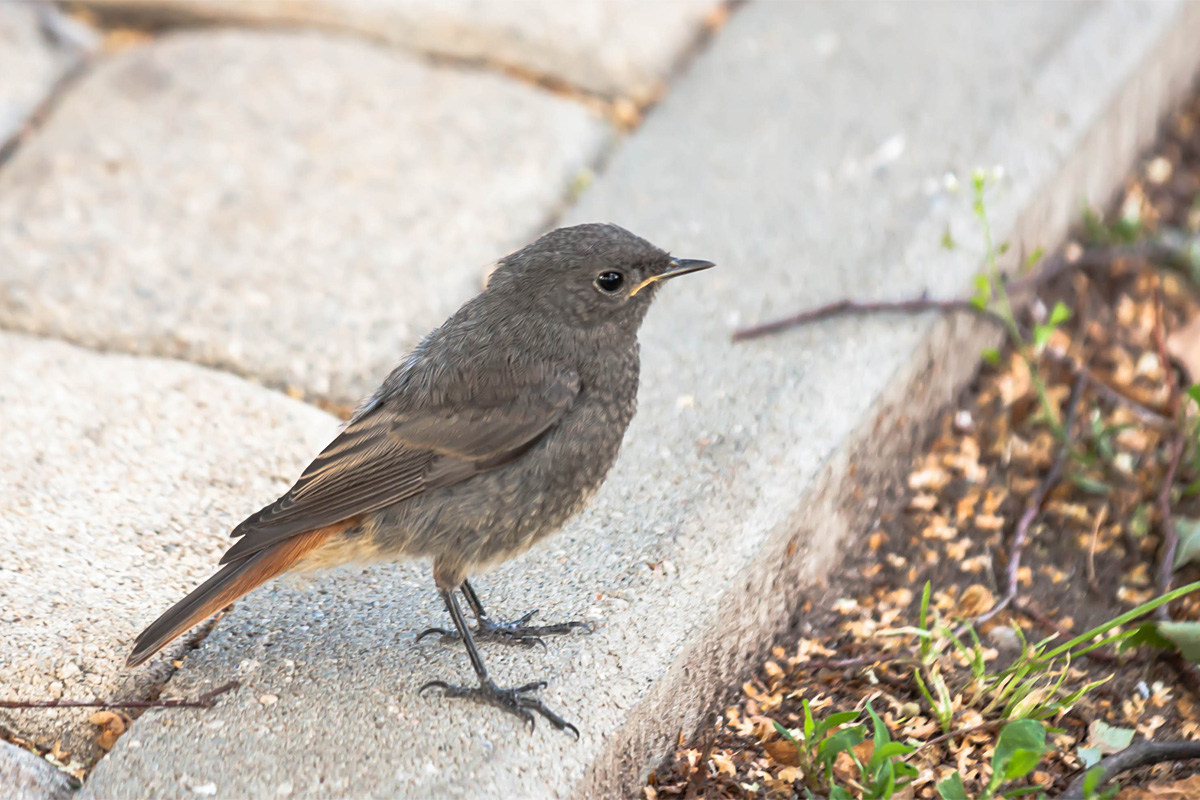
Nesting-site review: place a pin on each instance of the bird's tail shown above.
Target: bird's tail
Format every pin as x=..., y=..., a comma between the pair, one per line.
x=230, y=583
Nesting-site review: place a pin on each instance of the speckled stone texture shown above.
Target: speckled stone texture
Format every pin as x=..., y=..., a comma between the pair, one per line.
x=804, y=153
x=286, y=205
x=37, y=48
x=613, y=47
x=120, y=478
x=24, y=776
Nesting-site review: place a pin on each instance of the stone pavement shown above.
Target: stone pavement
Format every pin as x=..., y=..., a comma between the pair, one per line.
x=38, y=48
x=804, y=151
x=611, y=48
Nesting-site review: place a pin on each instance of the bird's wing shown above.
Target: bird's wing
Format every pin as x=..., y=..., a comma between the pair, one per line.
x=388, y=455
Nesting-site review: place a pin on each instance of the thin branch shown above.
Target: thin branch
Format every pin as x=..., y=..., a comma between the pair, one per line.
x=1033, y=506
x=1170, y=537
x=1114, y=395
x=205, y=700
x=1097, y=258
x=1101, y=258
x=1103, y=656
x=1091, y=559
x=913, y=306
x=1141, y=754
x=945, y=737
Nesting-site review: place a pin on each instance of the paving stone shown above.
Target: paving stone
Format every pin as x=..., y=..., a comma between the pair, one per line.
x=24, y=776
x=37, y=47
x=120, y=479
x=613, y=47
x=287, y=205
x=804, y=153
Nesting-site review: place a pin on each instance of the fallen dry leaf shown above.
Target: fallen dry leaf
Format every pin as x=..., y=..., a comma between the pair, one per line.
x=1186, y=789
x=1184, y=346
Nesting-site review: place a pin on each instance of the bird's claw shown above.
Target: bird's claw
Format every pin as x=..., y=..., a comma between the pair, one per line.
x=511, y=700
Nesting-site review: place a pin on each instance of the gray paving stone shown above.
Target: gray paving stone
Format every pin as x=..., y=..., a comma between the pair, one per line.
x=291, y=206
x=612, y=47
x=24, y=776
x=119, y=480
x=777, y=157
x=33, y=59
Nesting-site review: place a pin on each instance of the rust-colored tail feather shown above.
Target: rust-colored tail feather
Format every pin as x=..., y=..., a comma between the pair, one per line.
x=233, y=581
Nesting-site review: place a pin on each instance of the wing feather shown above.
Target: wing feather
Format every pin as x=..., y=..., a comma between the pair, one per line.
x=387, y=456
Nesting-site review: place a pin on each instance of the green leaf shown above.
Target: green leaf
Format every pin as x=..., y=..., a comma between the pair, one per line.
x=809, y=726
x=991, y=355
x=785, y=733
x=1108, y=739
x=1091, y=781
x=1034, y=257
x=1090, y=756
x=1193, y=392
x=1188, y=550
x=948, y=242
x=1089, y=485
x=1185, y=636
x=1147, y=634
x=1019, y=749
x=951, y=787
x=1041, y=334
x=842, y=741
x=1059, y=314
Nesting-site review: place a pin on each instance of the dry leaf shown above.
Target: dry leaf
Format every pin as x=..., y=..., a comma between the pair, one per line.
x=783, y=752
x=1184, y=346
x=975, y=600
x=111, y=725
x=1186, y=789
x=724, y=763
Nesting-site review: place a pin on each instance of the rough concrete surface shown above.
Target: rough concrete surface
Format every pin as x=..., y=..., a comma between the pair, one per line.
x=613, y=47
x=805, y=153
x=32, y=60
x=119, y=480
x=24, y=776
x=288, y=205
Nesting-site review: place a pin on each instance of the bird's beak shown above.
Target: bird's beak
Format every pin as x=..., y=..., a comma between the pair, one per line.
x=678, y=266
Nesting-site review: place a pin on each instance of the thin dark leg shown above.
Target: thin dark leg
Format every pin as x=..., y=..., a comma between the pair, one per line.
x=515, y=632
x=514, y=701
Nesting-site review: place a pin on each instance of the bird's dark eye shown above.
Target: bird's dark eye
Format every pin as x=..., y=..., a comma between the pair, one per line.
x=610, y=281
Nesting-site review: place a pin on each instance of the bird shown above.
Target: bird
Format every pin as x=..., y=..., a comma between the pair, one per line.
x=495, y=430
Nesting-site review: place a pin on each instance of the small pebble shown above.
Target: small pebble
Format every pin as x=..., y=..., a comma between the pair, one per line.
x=269, y=699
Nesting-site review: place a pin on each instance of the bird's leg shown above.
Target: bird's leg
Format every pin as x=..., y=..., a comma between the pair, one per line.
x=515, y=701
x=515, y=632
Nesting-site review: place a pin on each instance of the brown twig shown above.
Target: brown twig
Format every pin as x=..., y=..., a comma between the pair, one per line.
x=1170, y=537
x=1141, y=754
x=1033, y=506
x=205, y=700
x=1091, y=559
x=945, y=737
x=1099, y=258
x=915, y=305
x=1114, y=395
x=1104, y=656
x=1055, y=266
x=840, y=663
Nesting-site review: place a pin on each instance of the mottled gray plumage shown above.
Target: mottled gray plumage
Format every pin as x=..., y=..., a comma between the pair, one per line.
x=495, y=430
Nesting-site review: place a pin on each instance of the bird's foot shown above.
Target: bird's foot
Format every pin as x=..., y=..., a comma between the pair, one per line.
x=515, y=701
x=515, y=632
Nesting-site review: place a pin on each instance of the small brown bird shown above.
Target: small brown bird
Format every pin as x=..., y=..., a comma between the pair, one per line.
x=497, y=428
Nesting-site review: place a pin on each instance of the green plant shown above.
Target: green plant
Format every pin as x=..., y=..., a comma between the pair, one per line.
x=1020, y=748
x=822, y=741
x=1031, y=687
x=991, y=294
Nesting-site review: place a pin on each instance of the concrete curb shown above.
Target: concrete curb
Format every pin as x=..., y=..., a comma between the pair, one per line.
x=1105, y=90
x=747, y=466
